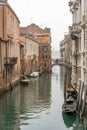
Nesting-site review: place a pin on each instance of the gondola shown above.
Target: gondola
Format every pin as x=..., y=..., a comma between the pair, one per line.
x=69, y=105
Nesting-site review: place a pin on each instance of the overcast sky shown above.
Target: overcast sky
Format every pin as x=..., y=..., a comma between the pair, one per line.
x=54, y=14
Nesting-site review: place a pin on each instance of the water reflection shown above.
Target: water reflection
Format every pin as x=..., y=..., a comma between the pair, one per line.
x=38, y=106
x=73, y=122
x=9, y=112
x=35, y=99
x=68, y=119
x=45, y=87
x=78, y=124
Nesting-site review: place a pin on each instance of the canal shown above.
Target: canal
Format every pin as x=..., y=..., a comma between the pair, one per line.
x=38, y=106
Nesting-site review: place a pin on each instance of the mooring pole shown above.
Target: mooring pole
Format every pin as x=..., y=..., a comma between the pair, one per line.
x=83, y=103
x=78, y=95
x=65, y=83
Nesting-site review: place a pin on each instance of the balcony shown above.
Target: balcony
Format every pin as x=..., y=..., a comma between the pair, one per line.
x=10, y=61
x=74, y=36
x=75, y=31
x=70, y=3
x=76, y=4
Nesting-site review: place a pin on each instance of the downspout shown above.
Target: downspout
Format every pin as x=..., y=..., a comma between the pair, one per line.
x=2, y=35
x=76, y=59
x=6, y=62
x=0, y=56
x=3, y=21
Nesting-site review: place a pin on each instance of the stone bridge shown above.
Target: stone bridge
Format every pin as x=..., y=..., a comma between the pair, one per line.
x=61, y=63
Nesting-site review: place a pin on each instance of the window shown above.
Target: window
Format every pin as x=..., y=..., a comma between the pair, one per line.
x=45, y=64
x=45, y=48
x=44, y=57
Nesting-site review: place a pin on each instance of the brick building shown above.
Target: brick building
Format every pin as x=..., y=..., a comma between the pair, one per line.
x=44, y=39
x=30, y=59
x=9, y=44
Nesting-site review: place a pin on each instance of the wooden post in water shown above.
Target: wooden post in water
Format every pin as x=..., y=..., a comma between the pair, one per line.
x=82, y=112
x=78, y=95
x=65, y=83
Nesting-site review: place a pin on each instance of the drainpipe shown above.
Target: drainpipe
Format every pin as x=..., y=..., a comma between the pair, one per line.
x=5, y=43
x=3, y=21
x=76, y=59
x=0, y=56
x=6, y=62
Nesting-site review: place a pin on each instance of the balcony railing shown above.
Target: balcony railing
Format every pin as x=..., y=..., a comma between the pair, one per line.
x=10, y=60
x=76, y=29
x=70, y=3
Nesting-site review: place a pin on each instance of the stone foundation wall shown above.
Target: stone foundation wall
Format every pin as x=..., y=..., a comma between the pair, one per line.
x=5, y=87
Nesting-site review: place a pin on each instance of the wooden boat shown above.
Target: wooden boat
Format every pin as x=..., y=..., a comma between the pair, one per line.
x=34, y=74
x=69, y=105
x=25, y=80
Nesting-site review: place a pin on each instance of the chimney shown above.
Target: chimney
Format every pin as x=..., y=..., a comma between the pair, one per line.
x=47, y=29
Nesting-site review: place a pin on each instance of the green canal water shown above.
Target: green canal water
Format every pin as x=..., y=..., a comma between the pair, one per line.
x=38, y=106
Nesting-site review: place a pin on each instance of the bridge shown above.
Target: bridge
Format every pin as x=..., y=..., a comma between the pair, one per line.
x=61, y=63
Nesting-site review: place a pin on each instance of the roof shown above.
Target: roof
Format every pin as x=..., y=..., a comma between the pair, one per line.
x=5, y=3
x=34, y=30
x=31, y=37
x=41, y=40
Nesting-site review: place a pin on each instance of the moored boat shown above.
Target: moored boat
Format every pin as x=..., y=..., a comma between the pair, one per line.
x=69, y=105
x=25, y=80
x=34, y=74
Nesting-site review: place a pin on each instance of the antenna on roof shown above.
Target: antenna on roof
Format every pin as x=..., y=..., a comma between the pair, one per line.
x=31, y=18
